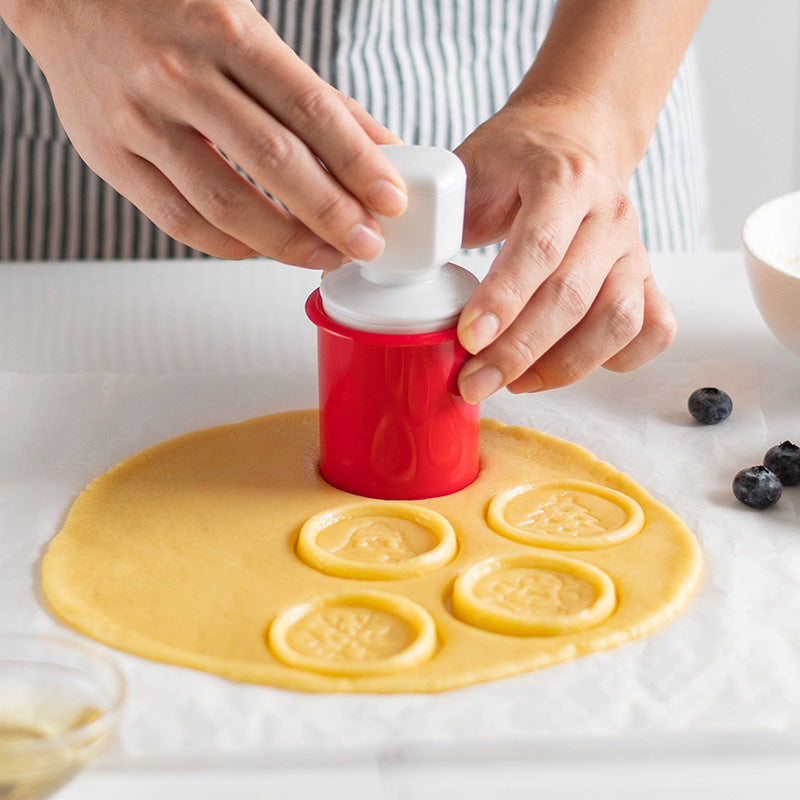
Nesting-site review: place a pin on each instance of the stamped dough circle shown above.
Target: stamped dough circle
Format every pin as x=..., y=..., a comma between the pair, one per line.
x=533, y=595
x=377, y=540
x=353, y=634
x=565, y=515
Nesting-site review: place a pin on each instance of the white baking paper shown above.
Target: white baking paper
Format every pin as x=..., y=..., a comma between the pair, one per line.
x=729, y=664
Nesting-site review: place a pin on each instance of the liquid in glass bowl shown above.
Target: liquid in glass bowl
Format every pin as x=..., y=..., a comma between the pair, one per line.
x=60, y=704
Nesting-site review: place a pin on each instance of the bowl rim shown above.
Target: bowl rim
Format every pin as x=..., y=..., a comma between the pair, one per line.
x=95, y=730
x=746, y=245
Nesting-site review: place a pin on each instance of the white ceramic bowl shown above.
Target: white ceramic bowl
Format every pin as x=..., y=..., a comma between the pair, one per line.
x=771, y=240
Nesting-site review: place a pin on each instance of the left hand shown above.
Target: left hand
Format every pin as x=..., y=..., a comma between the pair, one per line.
x=571, y=288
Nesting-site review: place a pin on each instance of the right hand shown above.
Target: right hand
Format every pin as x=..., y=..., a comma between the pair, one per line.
x=153, y=92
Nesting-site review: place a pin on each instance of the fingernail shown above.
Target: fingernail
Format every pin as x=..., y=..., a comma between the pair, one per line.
x=386, y=198
x=326, y=258
x=480, y=332
x=363, y=243
x=478, y=383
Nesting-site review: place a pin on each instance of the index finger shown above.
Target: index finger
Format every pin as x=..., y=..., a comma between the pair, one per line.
x=537, y=243
x=314, y=111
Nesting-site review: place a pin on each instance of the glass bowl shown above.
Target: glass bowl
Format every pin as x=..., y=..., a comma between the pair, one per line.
x=60, y=705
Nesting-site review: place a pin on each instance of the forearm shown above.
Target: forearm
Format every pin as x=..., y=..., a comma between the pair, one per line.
x=610, y=63
x=17, y=13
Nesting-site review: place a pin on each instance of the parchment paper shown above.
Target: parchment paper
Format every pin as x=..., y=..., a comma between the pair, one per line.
x=729, y=665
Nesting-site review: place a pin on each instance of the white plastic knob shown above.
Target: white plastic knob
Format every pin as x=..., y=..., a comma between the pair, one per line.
x=429, y=233
x=410, y=287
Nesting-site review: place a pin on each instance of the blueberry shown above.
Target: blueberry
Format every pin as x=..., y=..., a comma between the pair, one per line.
x=757, y=487
x=784, y=461
x=709, y=405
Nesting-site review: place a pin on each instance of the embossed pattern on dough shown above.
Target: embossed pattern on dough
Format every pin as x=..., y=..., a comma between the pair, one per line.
x=565, y=514
x=527, y=594
x=190, y=553
x=377, y=539
x=361, y=633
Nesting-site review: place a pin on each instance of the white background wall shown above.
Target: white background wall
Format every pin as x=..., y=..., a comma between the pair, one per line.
x=749, y=57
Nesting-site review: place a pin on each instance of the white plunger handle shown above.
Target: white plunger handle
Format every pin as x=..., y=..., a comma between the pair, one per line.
x=428, y=234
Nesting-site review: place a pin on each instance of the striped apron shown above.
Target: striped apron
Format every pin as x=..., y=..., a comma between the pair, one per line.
x=431, y=71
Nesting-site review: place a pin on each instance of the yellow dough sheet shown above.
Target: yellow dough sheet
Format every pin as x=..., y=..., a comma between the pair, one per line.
x=224, y=550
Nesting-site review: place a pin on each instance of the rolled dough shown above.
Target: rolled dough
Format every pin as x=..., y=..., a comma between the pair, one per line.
x=224, y=550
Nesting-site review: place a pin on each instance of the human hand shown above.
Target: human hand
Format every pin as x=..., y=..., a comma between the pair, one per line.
x=153, y=92
x=571, y=288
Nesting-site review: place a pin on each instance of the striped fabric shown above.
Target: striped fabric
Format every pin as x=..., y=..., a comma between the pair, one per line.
x=430, y=71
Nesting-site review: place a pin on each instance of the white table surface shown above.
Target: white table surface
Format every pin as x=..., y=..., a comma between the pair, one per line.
x=229, y=322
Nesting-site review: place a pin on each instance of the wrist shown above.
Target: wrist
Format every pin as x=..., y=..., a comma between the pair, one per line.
x=612, y=62
x=591, y=122
x=25, y=17
x=17, y=13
